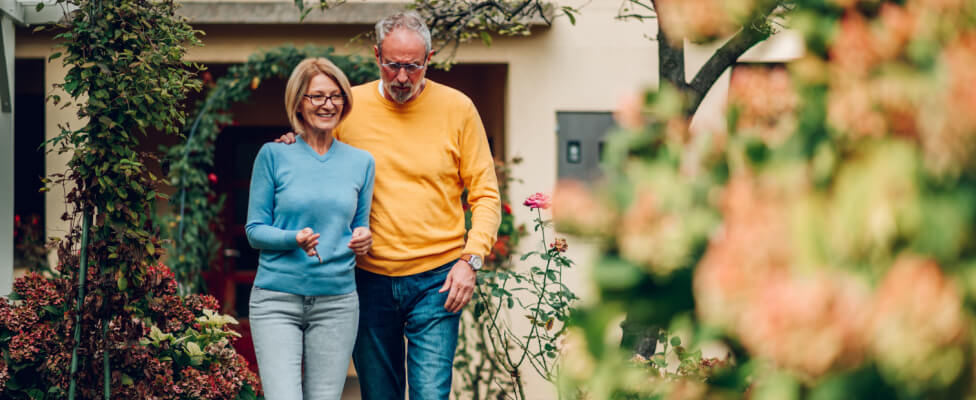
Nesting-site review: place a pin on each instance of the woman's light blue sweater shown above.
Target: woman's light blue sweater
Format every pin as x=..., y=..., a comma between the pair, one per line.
x=293, y=187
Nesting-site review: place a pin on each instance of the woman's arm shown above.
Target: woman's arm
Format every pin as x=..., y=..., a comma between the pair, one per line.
x=361, y=218
x=362, y=238
x=260, y=232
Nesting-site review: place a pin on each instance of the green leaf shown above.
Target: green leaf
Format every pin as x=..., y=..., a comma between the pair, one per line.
x=675, y=341
x=485, y=38
x=551, y=274
x=569, y=13
x=122, y=283
x=246, y=393
x=106, y=120
x=55, y=56
x=70, y=86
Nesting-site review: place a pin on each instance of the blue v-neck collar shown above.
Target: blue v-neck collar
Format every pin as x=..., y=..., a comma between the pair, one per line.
x=321, y=157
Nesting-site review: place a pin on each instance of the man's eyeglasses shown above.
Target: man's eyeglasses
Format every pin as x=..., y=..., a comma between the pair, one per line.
x=320, y=99
x=409, y=67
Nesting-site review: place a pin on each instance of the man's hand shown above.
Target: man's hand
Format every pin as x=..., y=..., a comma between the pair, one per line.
x=460, y=281
x=307, y=240
x=287, y=138
x=362, y=240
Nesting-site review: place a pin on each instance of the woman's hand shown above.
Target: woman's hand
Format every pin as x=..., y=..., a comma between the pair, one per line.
x=307, y=240
x=362, y=240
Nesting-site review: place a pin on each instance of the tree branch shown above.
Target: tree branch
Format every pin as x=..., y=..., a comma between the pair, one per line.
x=726, y=56
x=455, y=21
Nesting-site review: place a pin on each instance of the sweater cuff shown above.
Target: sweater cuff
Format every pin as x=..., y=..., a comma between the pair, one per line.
x=479, y=249
x=288, y=240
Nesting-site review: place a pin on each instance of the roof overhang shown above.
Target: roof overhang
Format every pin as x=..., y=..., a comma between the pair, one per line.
x=278, y=12
x=24, y=12
x=353, y=12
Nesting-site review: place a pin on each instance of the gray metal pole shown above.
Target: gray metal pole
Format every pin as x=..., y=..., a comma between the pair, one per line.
x=6, y=155
x=79, y=307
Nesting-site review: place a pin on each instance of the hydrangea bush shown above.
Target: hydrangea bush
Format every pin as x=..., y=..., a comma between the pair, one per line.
x=822, y=244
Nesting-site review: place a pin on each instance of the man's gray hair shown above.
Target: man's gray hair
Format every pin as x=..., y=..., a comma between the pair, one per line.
x=404, y=19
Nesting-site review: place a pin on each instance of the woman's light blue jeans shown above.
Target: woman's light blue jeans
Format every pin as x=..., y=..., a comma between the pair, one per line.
x=290, y=329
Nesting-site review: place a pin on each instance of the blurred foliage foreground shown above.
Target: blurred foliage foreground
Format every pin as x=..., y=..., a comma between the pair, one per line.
x=822, y=244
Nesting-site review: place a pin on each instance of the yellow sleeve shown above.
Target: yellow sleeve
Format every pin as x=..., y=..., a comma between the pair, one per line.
x=478, y=175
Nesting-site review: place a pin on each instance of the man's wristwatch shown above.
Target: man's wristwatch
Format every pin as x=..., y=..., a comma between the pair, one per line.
x=473, y=260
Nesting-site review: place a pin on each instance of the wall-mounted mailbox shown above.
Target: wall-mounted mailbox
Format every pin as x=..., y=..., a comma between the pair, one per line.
x=581, y=136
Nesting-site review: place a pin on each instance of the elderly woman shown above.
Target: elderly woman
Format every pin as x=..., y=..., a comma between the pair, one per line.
x=308, y=214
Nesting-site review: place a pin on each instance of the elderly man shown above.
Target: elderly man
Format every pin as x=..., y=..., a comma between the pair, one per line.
x=429, y=144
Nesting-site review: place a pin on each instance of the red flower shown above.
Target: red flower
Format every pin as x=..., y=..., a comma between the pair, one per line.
x=16, y=219
x=212, y=177
x=501, y=246
x=538, y=200
x=506, y=208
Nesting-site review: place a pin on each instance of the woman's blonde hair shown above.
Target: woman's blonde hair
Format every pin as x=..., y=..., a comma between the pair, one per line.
x=298, y=84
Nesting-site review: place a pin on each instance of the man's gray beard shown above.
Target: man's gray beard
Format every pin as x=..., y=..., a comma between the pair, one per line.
x=397, y=97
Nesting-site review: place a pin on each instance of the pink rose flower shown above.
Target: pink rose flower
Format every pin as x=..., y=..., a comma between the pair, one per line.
x=537, y=200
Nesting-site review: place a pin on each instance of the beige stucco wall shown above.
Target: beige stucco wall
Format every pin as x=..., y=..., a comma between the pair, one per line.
x=586, y=67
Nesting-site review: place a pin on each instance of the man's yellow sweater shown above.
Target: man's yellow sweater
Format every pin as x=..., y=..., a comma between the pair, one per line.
x=427, y=151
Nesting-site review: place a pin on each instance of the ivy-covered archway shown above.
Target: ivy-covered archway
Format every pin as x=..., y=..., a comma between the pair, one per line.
x=191, y=227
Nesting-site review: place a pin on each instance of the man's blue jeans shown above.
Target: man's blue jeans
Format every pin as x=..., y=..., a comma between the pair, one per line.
x=391, y=308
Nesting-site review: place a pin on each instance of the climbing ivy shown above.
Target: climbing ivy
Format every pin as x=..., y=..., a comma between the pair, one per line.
x=127, y=74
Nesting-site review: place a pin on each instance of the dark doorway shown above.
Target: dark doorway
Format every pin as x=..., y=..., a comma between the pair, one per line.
x=230, y=282
x=29, y=233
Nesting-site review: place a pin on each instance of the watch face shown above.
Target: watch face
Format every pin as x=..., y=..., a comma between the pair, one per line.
x=473, y=260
